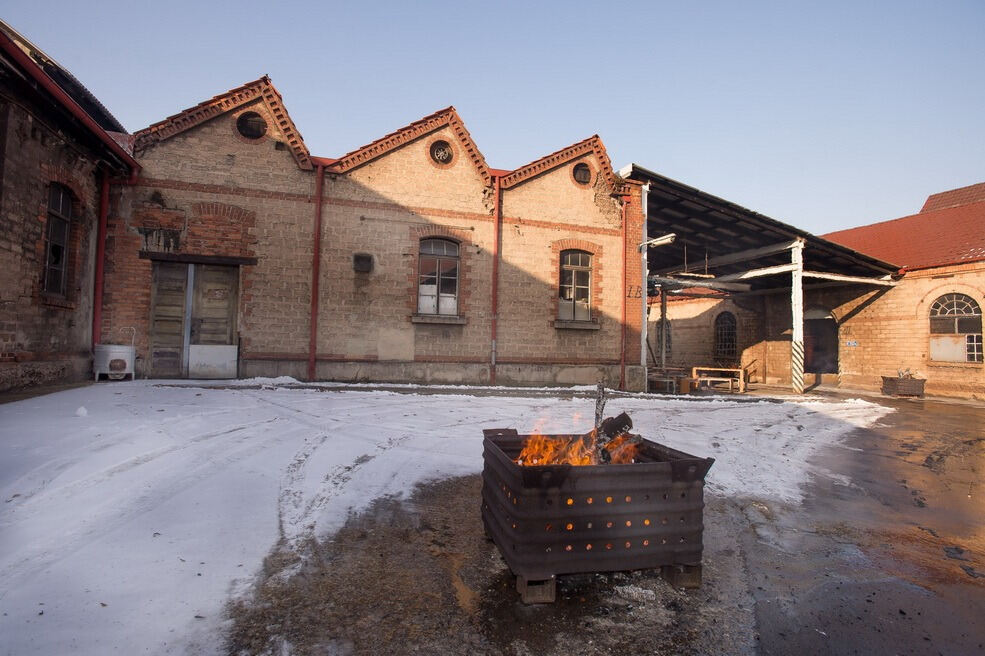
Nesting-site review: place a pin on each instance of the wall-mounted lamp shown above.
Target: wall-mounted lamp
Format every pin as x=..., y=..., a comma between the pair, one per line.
x=659, y=241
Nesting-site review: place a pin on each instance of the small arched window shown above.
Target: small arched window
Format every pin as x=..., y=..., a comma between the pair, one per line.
x=955, y=329
x=575, y=286
x=437, y=281
x=56, y=241
x=725, y=337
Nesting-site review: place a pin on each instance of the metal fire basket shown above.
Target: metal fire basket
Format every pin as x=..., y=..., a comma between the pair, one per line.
x=561, y=519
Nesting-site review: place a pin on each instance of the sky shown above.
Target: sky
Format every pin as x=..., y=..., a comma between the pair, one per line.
x=823, y=115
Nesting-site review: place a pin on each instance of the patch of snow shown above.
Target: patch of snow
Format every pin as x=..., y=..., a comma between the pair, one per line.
x=132, y=529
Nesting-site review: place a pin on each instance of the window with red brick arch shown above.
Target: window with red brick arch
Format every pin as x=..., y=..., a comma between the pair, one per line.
x=955, y=329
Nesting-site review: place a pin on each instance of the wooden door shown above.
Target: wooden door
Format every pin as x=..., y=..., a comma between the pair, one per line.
x=167, y=331
x=214, y=305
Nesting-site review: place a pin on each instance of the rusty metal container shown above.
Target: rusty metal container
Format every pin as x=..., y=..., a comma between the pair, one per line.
x=561, y=519
x=898, y=386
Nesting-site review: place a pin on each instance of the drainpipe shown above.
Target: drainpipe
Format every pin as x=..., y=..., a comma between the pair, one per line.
x=622, y=338
x=644, y=264
x=315, y=271
x=97, y=291
x=497, y=230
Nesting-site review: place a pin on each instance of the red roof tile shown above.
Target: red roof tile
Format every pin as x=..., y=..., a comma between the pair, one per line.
x=971, y=194
x=953, y=235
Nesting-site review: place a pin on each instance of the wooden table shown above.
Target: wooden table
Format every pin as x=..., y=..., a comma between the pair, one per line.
x=720, y=375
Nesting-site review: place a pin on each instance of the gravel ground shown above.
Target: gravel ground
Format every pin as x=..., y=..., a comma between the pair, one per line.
x=417, y=576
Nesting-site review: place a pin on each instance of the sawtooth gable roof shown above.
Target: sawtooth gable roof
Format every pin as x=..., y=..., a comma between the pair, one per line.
x=388, y=143
x=953, y=235
x=592, y=145
x=204, y=111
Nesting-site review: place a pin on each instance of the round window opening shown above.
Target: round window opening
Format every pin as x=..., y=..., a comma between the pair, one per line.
x=582, y=174
x=251, y=125
x=441, y=152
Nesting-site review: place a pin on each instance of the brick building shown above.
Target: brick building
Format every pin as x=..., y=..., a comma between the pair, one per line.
x=57, y=156
x=229, y=250
x=237, y=252
x=861, y=317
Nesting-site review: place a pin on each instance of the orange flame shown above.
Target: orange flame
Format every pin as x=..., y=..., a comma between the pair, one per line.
x=577, y=450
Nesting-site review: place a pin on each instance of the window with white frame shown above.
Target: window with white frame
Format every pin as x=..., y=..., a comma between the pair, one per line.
x=437, y=281
x=56, y=239
x=955, y=329
x=575, y=288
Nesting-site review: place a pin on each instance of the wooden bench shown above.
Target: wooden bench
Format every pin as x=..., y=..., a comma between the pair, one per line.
x=665, y=378
x=711, y=375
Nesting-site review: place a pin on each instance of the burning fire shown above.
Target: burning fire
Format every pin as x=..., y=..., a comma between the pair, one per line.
x=577, y=450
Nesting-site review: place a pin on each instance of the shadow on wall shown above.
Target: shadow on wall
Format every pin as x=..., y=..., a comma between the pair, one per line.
x=405, y=291
x=755, y=333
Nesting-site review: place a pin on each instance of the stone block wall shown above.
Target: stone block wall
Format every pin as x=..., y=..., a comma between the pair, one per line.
x=44, y=338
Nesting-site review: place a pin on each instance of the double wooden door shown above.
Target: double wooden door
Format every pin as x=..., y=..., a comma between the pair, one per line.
x=193, y=320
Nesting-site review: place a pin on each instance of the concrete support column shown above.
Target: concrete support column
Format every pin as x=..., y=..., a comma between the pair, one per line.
x=797, y=316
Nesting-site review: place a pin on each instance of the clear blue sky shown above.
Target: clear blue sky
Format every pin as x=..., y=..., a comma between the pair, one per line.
x=824, y=115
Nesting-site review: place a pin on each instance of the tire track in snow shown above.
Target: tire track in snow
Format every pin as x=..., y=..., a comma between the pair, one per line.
x=297, y=517
x=25, y=501
x=42, y=552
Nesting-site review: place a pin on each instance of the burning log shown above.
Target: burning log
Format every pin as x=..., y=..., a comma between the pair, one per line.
x=609, y=442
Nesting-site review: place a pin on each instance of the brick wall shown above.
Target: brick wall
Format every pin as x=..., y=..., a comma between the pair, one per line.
x=880, y=331
x=44, y=338
x=209, y=192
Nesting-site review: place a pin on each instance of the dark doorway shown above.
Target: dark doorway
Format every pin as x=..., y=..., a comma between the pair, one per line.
x=820, y=346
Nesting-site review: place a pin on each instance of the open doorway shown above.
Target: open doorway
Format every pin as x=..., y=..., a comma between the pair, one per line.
x=820, y=342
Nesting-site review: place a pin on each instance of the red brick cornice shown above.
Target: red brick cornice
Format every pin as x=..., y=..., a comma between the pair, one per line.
x=417, y=129
x=204, y=111
x=592, y=145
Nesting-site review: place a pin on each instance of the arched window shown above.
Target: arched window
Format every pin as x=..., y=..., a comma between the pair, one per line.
x=56, y=239
x=437, y=281
x=955, y=329
x=575, y=288
x=725, y=340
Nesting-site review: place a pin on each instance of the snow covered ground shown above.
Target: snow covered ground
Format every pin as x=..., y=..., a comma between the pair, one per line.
x=133, y=511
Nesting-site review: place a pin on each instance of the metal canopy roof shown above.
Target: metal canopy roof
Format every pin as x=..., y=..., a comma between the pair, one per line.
x=734, y=241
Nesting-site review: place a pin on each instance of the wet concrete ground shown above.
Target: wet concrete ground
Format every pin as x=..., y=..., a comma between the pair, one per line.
x=890, y=560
